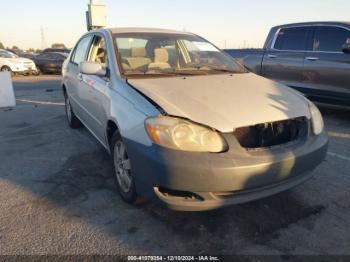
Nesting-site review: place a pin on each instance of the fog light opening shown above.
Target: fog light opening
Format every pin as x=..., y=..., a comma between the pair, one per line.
x=169, y=193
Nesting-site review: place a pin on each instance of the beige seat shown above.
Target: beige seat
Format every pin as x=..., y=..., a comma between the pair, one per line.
x=138, y=58
x=161, y=59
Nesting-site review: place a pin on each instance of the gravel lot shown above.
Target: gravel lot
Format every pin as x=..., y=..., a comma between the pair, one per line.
x=57, y=196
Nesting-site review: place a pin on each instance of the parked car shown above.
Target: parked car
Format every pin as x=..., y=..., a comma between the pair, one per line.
x=187, y=126
x=313, y=58
x=50, y=63
x=14, y=51
x=10, y=62
x=56, y=50
x=30, y=56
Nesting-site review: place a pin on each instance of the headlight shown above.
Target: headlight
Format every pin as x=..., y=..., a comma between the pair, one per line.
x=180, y=134
x=316, y=119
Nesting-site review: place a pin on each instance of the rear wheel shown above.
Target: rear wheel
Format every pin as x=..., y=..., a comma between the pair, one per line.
x=73, y=121
x=122, y=170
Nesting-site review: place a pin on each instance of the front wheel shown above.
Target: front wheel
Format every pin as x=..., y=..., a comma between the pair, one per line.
x=122, y=170
x=73, y=121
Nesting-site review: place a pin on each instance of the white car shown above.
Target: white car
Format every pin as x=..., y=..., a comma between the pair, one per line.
x=10, y=62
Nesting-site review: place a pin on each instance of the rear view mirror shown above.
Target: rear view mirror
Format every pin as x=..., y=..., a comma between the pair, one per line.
x=346, y=46
x=92, y=68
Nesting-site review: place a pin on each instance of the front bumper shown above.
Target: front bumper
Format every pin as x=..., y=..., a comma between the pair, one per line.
x=203, y=181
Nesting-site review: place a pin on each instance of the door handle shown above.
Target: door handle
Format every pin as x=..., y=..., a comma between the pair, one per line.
x=80, y=77
x=272, y=56
x=309, y=58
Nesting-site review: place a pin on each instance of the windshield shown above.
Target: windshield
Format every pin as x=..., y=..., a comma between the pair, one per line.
x=152, y=54
x=7, y=54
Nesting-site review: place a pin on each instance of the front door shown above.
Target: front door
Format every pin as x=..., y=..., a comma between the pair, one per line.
x=94, y=89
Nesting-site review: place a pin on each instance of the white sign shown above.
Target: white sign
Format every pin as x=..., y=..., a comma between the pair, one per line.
x=206, y=47
x=96, y=16
x=7, y=96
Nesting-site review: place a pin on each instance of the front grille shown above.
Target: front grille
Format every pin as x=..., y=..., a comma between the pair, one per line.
x=272, y=134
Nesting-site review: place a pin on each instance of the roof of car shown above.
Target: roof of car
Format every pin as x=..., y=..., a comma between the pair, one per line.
x=121, y=30
x=338, y=23
x=55, y=53
x=60, y=53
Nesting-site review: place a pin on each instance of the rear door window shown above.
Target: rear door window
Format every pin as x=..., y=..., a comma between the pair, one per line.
x=291, y=39
x=80, y=51
x=330, y=38
x=43, y=56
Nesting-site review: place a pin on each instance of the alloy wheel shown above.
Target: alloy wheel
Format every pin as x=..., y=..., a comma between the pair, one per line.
x=122, y=167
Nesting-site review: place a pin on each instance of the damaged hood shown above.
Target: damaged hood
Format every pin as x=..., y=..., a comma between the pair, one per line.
x=224, y=102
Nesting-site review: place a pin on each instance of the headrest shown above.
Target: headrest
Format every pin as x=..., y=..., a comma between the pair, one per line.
x=161, y=55
x=138, y=52
x=100, y=52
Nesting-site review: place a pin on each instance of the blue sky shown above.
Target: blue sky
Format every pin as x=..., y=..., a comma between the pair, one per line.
x=234, y=23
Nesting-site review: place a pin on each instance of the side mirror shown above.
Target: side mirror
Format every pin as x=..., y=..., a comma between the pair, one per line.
x=346, y=46
x=92, y=68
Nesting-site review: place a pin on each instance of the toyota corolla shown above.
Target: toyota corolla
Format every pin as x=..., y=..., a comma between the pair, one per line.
x=187, y=126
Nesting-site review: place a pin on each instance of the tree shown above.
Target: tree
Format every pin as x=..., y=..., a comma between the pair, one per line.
x=58, y=46
x=1, y=46
x=15, y=47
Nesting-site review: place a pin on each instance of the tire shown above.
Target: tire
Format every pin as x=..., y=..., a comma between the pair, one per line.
x=72, y=119
x=123, y=176
x=7, y=69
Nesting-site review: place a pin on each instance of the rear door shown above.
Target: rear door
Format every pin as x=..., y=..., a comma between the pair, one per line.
x=74, y=78
x=283, y=61
x=40, y=61
x=56, y=62
x=95, y=89
x=327, y=67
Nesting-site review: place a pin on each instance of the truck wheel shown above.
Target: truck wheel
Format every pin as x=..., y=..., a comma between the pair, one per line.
x=73, y=121
x=123, y=175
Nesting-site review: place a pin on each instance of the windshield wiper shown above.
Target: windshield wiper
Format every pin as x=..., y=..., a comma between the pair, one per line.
x=220, y=70
x=150, y=74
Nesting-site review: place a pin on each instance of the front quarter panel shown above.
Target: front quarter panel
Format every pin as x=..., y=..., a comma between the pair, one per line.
x=129, y=110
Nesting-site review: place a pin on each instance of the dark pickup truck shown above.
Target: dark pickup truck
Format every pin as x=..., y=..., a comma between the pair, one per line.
x=313, y=58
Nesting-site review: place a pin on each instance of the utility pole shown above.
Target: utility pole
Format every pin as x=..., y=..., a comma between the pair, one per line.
x=43, y=38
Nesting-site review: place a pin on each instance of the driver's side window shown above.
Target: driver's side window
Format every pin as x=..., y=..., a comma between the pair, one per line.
x=98, y=52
